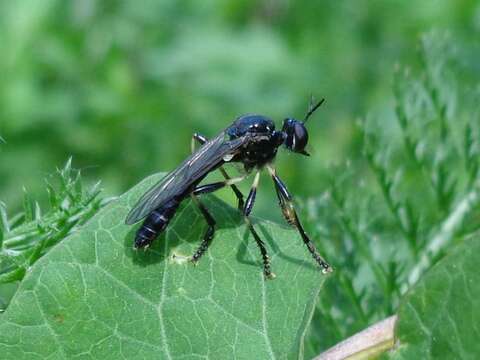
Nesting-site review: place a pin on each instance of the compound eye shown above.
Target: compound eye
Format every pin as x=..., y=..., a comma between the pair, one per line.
x=289, y=130
x=300, y=137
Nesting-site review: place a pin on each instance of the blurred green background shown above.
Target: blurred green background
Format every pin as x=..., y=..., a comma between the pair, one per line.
x=122, y=85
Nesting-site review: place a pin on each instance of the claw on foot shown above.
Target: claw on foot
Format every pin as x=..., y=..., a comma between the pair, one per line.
x=270, y=276
x=327, y=269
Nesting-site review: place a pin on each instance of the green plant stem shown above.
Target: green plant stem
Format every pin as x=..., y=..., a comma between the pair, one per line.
x=444, y=235
x=366, y=344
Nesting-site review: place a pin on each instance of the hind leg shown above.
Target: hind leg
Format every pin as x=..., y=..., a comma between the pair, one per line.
x=208, y=236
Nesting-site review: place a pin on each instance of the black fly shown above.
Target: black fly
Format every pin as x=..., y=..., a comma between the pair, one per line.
x=251, y=140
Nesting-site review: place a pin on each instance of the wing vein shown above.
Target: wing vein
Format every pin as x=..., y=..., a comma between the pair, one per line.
x=190, y=171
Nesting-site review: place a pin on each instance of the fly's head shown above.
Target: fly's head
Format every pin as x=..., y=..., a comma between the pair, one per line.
x=295, y=132
x=296, y=136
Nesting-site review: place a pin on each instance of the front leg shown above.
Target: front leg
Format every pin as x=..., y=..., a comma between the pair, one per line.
x=202, y=140
x=288, y=210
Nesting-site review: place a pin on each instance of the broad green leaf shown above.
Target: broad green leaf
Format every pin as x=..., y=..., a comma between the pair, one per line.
x=440, y=318
x=93, y=296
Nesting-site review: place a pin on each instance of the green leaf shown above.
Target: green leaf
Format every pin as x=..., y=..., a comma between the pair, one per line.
x=439, y=318
x=94, y=296
x=27, y=206
x=4, y=223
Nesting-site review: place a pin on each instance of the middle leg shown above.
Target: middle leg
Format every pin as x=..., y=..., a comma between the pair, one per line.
x=261, y=245
x=208, y=188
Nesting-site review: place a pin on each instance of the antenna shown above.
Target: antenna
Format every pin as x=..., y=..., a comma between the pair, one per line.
x=312, y=108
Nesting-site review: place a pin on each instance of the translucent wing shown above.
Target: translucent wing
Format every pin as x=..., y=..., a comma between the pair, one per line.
x=194, y=168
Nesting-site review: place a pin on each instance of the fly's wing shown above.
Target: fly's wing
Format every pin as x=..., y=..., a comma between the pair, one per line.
x=179, y=180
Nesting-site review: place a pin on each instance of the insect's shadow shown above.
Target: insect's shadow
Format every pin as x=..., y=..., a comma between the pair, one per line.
x=272, y=248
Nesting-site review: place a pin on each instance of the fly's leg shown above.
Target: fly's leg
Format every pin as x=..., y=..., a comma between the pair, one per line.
x=205, y=189
x=246, y=212
x=208, y=188
x=261, y=245
x=196, y=137
x=288, y=210
x=202, y=140
x=207, y=238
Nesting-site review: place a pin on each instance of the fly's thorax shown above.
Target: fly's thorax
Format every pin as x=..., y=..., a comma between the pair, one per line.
x=250, y=124
x=259, y=150
x=262, y=141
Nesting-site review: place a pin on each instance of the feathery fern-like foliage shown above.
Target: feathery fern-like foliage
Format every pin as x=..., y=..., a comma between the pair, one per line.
x=28, y=235
x=421, y=195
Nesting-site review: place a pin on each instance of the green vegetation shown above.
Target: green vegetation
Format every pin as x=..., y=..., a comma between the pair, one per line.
x=391, y=193
x=28, y=235
x=439, y=318
x=419, y=198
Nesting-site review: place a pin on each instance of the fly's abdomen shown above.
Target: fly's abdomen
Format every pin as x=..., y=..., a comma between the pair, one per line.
x=155, y=223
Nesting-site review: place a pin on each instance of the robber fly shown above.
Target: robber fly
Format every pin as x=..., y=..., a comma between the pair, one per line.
x=252, y=141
